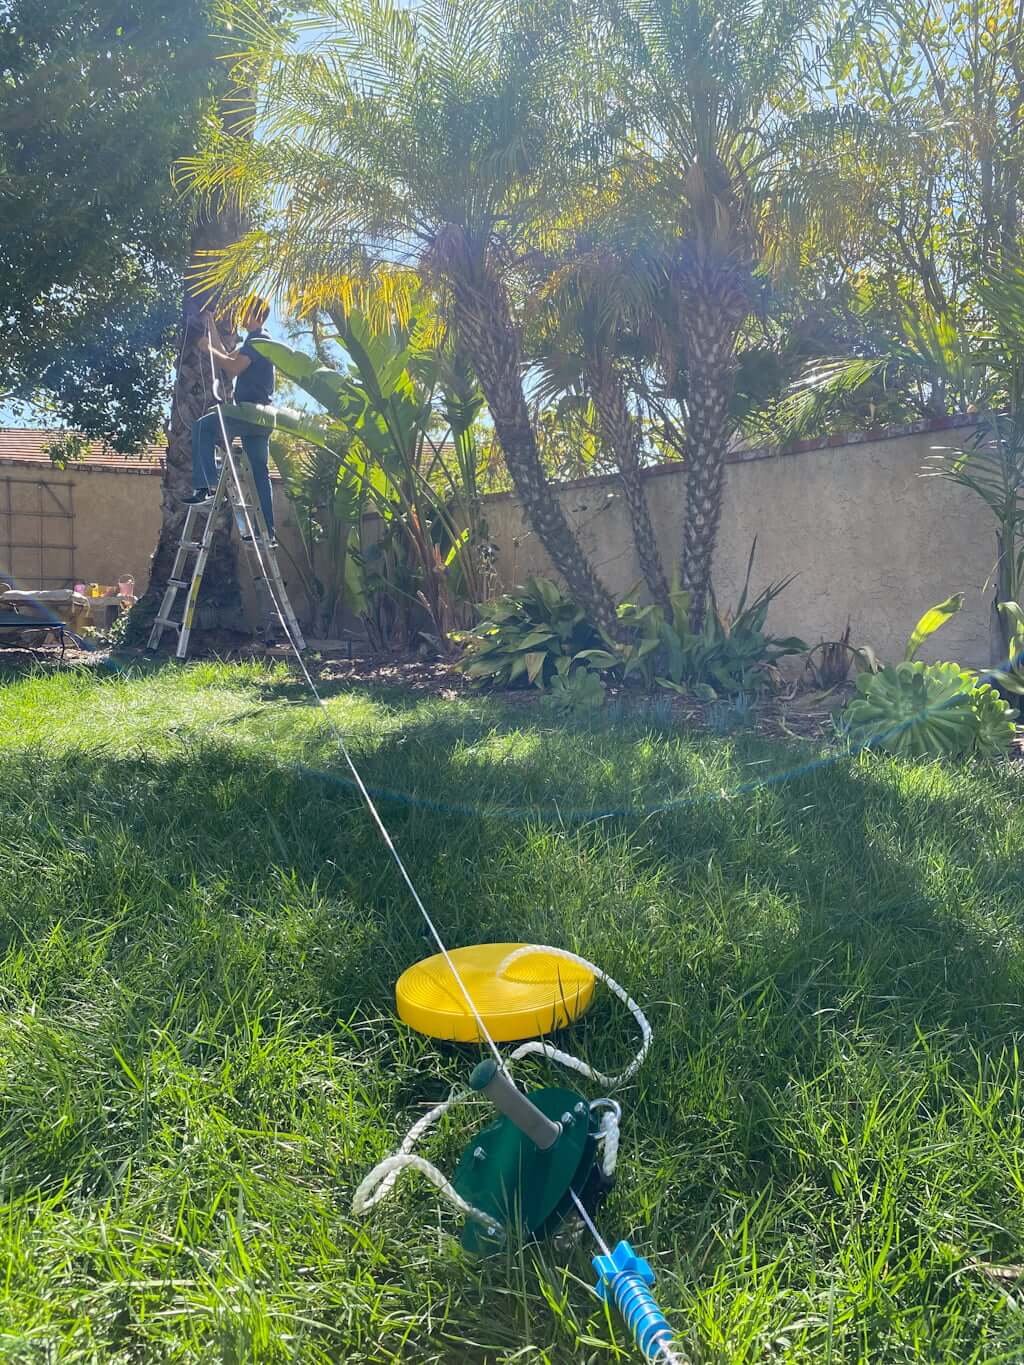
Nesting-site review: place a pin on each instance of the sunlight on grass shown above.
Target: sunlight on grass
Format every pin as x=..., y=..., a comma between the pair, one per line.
x=199, y=1057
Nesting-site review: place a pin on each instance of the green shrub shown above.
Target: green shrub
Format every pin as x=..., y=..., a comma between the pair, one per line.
x=537, y=636
x=732, y=654
x=929, y=711
x=531, y=637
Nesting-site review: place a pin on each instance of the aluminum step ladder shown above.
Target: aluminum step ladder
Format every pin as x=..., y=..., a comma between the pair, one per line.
x=236, y=488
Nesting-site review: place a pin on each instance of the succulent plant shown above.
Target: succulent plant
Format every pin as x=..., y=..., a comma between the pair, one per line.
x=930, y=711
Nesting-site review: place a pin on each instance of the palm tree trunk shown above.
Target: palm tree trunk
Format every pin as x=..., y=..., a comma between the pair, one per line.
x=484, y=323
x=711, y=366
x=220, y=601
x=621, y=433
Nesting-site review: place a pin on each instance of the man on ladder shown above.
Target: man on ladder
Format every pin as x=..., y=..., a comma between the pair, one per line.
x=254, y=383
x=243, y=482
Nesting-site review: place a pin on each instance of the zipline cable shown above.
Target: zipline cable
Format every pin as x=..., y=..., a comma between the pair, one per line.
x=623, y=1276
x=371, y=805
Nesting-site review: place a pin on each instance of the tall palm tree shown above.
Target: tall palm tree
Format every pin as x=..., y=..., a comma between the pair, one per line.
x=592, y=303
x=219, y=221
x=709, y=90
x=442, y=136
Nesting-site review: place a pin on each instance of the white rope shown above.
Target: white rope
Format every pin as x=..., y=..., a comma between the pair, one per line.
x=379, y=1182
x=607, y=1135
x=372, y=1191
x=554, y=1054
x=383, y=1176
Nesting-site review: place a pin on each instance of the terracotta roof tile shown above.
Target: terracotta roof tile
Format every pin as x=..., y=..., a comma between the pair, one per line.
x=30, y=447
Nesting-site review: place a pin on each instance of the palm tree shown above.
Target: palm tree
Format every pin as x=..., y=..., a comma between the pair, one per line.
x=440, y=136
x=707, y=86
x=593, y=303
x=220, y=604
x=218, y=222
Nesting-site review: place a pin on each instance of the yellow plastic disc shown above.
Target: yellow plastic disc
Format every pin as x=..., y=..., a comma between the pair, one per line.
x=537, y=993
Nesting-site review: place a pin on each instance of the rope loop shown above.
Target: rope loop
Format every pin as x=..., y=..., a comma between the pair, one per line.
x=380, y=1181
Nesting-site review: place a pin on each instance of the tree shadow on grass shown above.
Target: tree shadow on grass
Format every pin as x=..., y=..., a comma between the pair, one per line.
x=767, y=907
x=802, y=873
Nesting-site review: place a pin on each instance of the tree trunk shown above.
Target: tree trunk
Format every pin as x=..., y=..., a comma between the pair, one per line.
x=620, y=430
x=220, y=599
x=711, y=365
x=484, y=323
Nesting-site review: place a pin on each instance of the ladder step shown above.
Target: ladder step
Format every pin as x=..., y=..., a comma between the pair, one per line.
x=177, y=582
x=191, y=545
x=166, y=621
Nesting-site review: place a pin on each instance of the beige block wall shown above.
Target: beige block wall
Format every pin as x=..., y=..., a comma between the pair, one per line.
x=116, y=518
x=866, y=535
x=113, y=530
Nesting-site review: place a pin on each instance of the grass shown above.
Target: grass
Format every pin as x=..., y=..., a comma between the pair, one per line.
x=823, y=1157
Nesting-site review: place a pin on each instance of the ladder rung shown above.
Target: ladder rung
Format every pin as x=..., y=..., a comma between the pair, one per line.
x=166, y=621
x=177, y=582
x=191, y=545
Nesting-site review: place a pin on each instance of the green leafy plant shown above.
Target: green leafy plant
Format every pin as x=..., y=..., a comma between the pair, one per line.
x=731, y=653
x=1011, y=678
x=400, y=417
x=329, y=503
x=924, y=710
x=577, y=693
x=929, y=711
x=534, y=637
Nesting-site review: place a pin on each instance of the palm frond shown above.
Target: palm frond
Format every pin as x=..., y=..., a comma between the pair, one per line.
x=822, y=389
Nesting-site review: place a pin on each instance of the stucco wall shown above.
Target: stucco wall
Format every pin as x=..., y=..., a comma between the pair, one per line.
x=115, y=517
x=866, y=535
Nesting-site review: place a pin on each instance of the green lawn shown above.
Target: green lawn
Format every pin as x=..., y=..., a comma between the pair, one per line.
x=823, y=1157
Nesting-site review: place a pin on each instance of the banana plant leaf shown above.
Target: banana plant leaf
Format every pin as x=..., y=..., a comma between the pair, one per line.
x=310, y=427
x=332, y=390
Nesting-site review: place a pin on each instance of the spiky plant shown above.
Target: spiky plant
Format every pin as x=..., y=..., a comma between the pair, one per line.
x=442, y=136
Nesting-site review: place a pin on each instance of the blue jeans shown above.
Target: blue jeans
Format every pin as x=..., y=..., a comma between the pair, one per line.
x=206, y=436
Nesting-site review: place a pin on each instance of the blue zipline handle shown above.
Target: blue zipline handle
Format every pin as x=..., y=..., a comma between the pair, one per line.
x=625, y=1278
